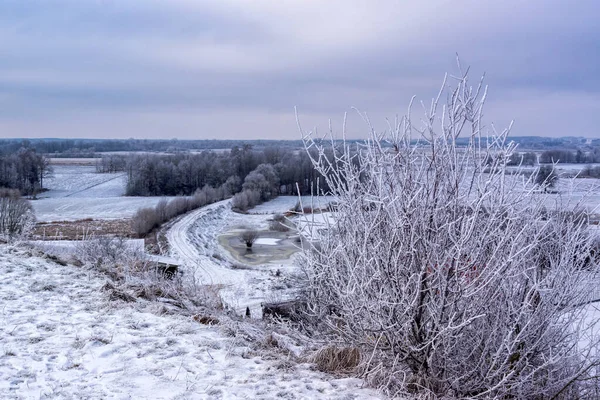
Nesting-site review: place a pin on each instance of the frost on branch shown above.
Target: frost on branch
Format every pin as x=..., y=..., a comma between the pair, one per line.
x=450, y=274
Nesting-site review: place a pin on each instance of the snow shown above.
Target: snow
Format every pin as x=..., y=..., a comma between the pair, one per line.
x=78, y=192
x=267, y=241
x=163, y=259
x=82, y=181
x=313, y=226
x=61, y=338
x=72, y=209
x=575, y=167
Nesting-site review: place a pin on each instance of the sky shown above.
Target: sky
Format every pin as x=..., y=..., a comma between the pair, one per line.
x=237, y=69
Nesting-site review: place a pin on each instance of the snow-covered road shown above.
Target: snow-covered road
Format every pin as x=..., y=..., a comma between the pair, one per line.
x=193, y=240
x=182, y=247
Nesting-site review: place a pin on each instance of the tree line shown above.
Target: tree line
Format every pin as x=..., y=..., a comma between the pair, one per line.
x=272, y=171
x=570, y=157
x=24, y=170
x=91, y=147
x=527, y=158
x=146, y=219
x=249, y=176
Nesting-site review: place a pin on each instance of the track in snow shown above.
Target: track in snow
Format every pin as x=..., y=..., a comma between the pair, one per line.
x=186, y=250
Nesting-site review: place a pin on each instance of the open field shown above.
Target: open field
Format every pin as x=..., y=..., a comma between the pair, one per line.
x=77, y=192
x=72, y=209
x=82, y=181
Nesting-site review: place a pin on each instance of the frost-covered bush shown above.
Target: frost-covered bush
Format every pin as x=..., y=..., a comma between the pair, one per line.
x=279, y=223
x=108, y=251
x=450, y=275
x=16, y=214
x=546, y=176
x=245, y=200
x=134, y=275
x=144, y=220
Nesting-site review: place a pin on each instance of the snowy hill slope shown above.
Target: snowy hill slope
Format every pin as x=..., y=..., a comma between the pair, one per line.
x=61, y=338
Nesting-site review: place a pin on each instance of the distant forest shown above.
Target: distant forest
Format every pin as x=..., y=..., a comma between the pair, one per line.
x=91, y=147
x=254, y=170
x=571, y=157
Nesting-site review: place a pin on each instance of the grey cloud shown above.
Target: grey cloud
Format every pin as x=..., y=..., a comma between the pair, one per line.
x=199, y=60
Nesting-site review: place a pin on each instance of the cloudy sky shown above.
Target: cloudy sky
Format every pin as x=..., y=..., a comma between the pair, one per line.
x=228, y=69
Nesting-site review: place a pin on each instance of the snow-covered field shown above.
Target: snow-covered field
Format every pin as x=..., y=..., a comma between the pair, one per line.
x=62, y=339
x=72, y=209
x=78, y=192
x=584, y=192
x=82, y=181
x=571, y=168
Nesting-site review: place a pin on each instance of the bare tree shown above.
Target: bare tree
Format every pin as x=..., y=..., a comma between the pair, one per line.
x=249, y=237
x=446, y=272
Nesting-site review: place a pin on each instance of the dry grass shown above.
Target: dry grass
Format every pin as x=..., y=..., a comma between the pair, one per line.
x=205, y=319
x=240, y=266
x=336, y=359
x=80, y=229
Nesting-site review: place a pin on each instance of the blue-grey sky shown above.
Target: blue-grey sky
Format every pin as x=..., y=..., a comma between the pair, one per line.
x=229, y=69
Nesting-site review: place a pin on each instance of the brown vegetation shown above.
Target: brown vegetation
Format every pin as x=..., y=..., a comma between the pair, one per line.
x=332, y=358
x=83, y=228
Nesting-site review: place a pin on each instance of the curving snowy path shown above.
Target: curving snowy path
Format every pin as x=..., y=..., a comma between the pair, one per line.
x=193, y=240
x=182, y=246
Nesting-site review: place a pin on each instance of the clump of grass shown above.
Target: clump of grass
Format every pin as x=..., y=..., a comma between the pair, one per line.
x=239, y=266
x=332, y=358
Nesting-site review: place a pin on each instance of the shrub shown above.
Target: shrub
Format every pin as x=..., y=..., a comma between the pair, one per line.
x=240, y=201
x=448, y=274
x=16, y=214
x=334, y=359
x=144, y=220
x=546, y=176
x=278, y=223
